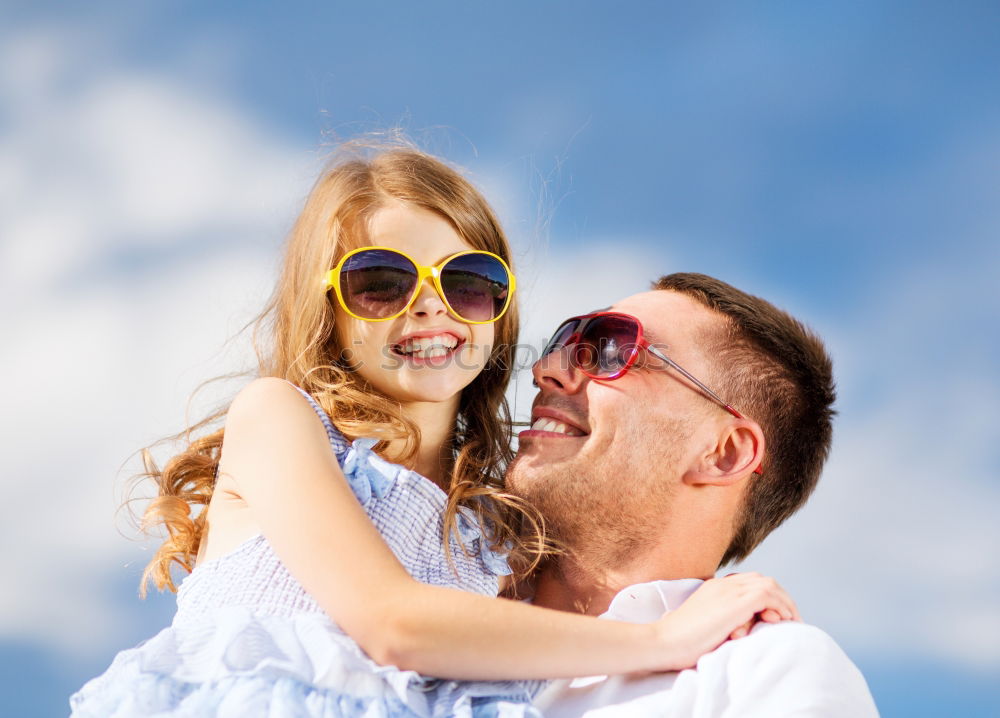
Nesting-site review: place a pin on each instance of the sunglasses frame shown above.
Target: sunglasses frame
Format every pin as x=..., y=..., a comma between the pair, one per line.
x=424, y=272
x=640, y=343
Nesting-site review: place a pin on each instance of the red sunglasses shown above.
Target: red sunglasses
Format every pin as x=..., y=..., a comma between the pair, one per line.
x=605, y=345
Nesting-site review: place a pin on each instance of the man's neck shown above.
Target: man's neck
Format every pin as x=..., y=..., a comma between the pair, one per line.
x=567, y=585
x=554, y=589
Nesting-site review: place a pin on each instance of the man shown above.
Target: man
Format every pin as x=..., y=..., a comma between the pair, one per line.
x=657, y=455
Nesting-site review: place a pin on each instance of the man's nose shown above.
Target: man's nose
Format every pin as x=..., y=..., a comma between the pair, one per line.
x=556, y=372
x=428, y=303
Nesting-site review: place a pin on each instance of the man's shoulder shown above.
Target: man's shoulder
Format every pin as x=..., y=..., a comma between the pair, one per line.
x=775, y=649
x=788, y=638
x=790, y=632
x=781, y=669
x=788, y=667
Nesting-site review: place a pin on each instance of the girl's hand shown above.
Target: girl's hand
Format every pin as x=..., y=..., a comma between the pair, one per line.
x=720, y=609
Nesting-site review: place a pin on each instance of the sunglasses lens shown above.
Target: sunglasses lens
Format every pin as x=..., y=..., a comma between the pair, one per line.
x=606, y=345
x=476, y=286
x=561, y=337
x=377, y=283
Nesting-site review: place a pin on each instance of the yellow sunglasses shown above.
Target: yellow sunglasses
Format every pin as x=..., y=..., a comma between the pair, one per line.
x=377, y=284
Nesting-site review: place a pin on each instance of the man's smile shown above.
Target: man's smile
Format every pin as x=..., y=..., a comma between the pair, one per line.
x=549, y=422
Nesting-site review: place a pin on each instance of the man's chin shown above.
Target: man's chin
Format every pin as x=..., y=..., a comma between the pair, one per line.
x=546, y=447
x=536, y=471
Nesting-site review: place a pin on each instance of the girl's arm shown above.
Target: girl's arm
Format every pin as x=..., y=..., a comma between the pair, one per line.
x=278, y=454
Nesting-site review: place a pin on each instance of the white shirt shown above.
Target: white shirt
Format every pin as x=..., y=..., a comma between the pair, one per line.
x=783, y=669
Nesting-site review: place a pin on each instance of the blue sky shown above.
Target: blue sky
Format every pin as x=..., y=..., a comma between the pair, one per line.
x=838, y=158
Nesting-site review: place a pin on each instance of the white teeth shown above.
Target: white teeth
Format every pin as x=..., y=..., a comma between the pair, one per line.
x=427, y=347
x=557, y=427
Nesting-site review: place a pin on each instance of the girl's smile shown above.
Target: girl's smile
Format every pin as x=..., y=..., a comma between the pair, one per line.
x=433, y=347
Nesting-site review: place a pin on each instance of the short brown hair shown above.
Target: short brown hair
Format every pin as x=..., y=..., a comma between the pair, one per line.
x=776, y=371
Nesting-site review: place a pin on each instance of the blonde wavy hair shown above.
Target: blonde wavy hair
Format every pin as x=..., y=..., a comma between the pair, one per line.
x=302, y=347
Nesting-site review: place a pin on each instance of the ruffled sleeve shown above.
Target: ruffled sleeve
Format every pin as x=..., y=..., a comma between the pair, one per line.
x=475, y=539
x=369, y=475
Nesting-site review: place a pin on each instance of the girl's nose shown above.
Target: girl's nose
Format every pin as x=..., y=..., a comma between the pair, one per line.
x=428, y=303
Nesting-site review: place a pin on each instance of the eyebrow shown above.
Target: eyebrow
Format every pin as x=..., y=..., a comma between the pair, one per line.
x=653, y=338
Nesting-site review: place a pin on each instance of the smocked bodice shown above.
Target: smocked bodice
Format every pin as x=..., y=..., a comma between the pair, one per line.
x=406, y=508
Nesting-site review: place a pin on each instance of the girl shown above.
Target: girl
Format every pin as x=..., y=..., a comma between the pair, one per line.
x=324, y=580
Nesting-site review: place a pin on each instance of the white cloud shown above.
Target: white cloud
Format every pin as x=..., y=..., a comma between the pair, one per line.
x=103, y=172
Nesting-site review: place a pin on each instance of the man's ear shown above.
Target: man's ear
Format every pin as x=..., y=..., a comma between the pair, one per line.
x=738, y=451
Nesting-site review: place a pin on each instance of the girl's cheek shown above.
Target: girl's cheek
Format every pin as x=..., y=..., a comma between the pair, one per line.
x=483, y=338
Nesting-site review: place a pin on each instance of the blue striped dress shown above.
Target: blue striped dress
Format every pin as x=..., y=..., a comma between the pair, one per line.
x=247, y=640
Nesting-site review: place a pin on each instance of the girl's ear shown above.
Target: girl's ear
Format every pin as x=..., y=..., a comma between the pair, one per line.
x=737, y=453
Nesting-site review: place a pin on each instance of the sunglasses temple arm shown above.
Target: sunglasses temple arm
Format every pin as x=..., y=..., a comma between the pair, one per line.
x=660, y=355
x=657, y=353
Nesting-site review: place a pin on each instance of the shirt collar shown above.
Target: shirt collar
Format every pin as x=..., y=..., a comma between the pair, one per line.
x=646, y=602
